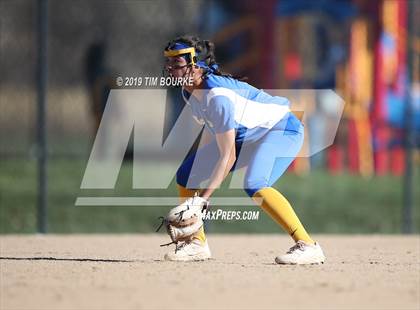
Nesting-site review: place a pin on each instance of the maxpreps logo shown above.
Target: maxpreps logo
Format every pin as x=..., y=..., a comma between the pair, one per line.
x=231, y=215
x=141, y=113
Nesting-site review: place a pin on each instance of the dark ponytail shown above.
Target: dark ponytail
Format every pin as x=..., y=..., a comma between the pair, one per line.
x=205, y=52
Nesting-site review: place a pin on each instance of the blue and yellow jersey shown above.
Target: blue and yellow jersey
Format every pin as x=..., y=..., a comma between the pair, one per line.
x=225, y=103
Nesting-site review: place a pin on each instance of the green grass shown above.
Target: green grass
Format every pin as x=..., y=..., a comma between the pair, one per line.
x=325, y=203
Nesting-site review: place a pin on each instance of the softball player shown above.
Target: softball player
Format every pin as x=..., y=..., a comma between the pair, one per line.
x=244, y=127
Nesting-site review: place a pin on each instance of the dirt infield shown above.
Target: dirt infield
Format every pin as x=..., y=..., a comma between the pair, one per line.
x=127, y=272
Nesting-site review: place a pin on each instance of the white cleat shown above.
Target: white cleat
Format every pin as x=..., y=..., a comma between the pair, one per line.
x=190, y=251
x=302, y=254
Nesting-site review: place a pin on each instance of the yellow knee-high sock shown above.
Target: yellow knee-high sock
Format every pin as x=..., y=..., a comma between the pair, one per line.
x=280, y=210
x=184, y=194
x=201, y=235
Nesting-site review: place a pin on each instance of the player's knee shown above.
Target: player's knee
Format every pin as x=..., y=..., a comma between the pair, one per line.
x=251, y=186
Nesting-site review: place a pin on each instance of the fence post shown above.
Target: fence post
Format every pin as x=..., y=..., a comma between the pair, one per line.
x=41, y=77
